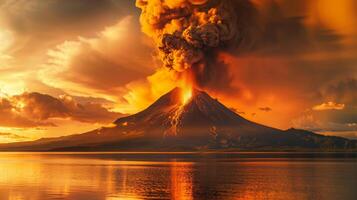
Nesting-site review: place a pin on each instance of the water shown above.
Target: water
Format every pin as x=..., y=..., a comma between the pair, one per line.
x=114, y=176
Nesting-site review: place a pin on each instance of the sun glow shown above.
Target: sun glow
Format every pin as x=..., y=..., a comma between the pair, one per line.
x=6, y=40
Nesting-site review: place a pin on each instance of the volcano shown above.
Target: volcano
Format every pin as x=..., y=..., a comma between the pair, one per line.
x=179, y=122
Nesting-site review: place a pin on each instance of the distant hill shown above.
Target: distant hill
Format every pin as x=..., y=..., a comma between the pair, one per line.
x=201, y=124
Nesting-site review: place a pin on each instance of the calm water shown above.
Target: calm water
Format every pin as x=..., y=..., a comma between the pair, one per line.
x=112, y=176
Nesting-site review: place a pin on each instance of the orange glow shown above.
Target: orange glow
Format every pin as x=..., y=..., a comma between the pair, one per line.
x=181, y=181
x=186, y=95
x=198, y=2
x=186, y=83
x=339, y=20
x=184, y=98
x=111, y=62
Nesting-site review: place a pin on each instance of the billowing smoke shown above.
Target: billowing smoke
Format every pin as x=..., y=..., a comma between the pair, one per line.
x=193, y=36
x=190, y=33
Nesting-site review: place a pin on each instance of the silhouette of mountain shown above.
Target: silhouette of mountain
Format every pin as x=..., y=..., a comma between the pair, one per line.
x=201, y=123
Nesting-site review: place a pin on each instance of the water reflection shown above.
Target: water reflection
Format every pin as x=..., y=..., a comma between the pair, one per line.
x=112, y=177
x=181, y=181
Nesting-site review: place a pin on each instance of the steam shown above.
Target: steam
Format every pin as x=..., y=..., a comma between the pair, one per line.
x=189, y=33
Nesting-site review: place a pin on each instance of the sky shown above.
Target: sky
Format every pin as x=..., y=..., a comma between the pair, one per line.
x=67, y=67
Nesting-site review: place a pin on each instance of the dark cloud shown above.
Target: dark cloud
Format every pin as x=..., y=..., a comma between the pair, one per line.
x=284, y=51
x=266, y=28
x=278, y=31
x=328, y=121
x=9, y=117
x=35, y=110
x=237, y=111
x=339, y=114
x=338, y=121
x=38, y=25
x=26, y=16
x=344, y=91
x=266, y=109
x=41, y=107
x=346, y=116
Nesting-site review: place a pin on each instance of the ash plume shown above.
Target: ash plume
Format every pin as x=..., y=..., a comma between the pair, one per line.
x=189, y=34
x=194, y=37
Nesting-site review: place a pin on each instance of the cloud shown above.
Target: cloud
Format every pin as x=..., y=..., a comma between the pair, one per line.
x=237, y=111
x=331, y=116
x=37, y=110
x=37, y=26
x=329, y=106
x=36, y=18
x=342, y=91
x=313, y=122
x=233, y=27
x=10, y=137
x=10, y=118
x=103, y=64
x=329, y=120
x=6, y=41
x=266, y=109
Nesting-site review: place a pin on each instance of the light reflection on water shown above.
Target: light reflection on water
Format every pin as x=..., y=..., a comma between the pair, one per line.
x=32, y=176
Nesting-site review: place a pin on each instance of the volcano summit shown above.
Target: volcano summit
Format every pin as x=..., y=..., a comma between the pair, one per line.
x=187, y=121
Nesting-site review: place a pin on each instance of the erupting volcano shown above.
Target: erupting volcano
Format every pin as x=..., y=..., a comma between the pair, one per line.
x=186, y=120
x=190, y=36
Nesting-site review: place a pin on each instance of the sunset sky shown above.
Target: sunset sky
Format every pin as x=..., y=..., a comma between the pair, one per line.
x=67, y=67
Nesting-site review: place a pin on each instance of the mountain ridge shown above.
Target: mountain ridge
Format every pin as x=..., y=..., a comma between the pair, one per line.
x=199, y=124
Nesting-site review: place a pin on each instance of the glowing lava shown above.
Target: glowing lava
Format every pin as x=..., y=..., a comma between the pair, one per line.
x=186, y=95
x=198, y=2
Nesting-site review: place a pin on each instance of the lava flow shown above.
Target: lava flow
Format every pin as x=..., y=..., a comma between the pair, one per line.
x=185, y=97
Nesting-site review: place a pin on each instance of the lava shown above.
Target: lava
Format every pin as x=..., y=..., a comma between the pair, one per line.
x=186, y=95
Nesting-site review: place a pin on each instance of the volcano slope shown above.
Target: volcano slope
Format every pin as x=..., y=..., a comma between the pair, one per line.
x=202, y=123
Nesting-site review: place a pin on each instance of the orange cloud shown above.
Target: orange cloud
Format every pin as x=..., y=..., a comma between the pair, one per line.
x=36, y=110
x=10, y=137
x=340, y=20
x=329, y=106
x=9, y=117
x=265, y=109
x=101, y=65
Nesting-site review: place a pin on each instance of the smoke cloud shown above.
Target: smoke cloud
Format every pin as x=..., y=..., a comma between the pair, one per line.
x=190, y=33
x=192, y=37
